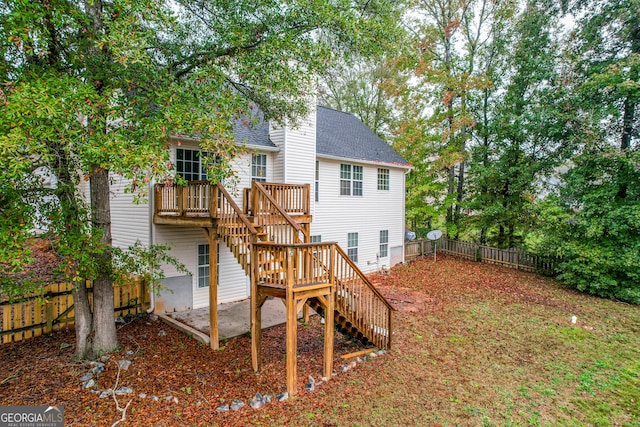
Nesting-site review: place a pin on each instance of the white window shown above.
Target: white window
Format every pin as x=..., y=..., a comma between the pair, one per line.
x=351, y=177
x=259, y=167
x=189, y=164
x=203, y=265
x=317, y=181
x=384, y=243
x=383, y=179
x=352, y=246
x=316, y=239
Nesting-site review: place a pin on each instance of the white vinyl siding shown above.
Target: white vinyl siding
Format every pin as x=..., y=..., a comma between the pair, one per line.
x=351, y=177
x=352, y=246
x=129, y=221
x=339, y=215
x=383, y=179
x=232, y=280
x=384, y=243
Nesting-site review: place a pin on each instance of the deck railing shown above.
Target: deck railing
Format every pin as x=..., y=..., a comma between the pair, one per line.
x=318, y=264
x=234, y=227
x=196, y=198
x=290, y=266
x=293, y=198
x=272, y=219
x=360, y=302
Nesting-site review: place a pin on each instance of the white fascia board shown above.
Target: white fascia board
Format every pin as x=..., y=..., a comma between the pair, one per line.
x=260, y=147
x=249, y=146
x=365, y=162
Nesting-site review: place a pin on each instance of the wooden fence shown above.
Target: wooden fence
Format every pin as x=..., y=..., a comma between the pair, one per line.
x=514, y=258
x=52, y=309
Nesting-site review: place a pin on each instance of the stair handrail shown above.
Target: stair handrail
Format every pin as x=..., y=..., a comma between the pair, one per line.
x=261, y=190
x=364, y=278
x=236, y=209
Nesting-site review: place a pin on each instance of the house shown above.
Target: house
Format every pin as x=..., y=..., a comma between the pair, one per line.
x=357, y=200
x=299, y=190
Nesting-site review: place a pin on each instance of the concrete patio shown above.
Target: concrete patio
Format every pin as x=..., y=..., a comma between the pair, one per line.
x=233, y=319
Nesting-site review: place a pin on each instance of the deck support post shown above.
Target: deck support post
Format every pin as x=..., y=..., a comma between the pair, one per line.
x=328, y=332
x=292, y=343
x=213, y=288
x=292, y=325
x=256, y=314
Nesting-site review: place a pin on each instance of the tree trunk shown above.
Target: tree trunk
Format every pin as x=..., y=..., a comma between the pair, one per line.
x=450, y=191
x=83, y=321
x=625, y=142
x=459, y=196
x=105, y=338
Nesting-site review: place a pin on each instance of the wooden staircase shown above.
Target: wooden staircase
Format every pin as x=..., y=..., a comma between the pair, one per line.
x=274, y=250
x=360, y=309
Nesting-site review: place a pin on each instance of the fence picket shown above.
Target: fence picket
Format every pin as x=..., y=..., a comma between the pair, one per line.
x=514, y=258
x=33, y=315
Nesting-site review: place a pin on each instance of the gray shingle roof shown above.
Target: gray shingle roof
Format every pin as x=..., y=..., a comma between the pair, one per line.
x=343, y=135
x=250, y=133
x=338, y=134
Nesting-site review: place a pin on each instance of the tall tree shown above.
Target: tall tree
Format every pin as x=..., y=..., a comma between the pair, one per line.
x=96, y=87
x=359, y=88
x=594, y=223
x=442, y=62
x=521, y=130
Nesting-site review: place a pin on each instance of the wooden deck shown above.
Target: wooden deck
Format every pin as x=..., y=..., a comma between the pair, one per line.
x=270, y=238
x=198, y=203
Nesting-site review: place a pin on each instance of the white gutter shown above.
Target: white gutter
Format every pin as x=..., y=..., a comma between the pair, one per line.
x=404, y=209
x=365, y=162
x=238, y=143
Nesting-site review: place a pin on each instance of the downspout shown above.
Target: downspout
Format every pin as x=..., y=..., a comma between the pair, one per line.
x=284, y=152
x=404, y=210
x=152, y=294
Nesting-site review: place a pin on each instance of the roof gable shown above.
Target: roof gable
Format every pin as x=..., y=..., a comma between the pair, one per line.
x=340, y=134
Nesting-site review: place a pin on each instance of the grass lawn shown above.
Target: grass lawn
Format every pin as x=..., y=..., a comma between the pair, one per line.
x=473, y=345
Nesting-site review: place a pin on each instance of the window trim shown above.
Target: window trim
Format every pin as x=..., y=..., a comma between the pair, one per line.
x=255, y=165
x=352, y=249
x=384, y=179
x=317, y=182
x=348, y=180
x=202, y=175
x=207, y=265
x=201, y=266
x=384, y=244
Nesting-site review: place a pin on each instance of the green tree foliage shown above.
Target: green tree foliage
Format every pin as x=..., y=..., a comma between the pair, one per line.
x=522, y=131
x=594, y=229
x=436, y=124
x=359, y=88
x=96, y=87
x=595, y=222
